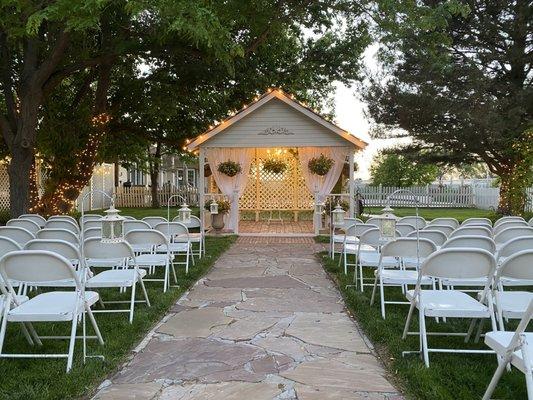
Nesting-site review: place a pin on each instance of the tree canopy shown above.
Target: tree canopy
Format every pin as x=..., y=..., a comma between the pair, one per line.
x=398, y=171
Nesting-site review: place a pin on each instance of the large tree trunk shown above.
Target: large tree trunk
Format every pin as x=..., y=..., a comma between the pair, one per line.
x=19, y=180
x=155, y=164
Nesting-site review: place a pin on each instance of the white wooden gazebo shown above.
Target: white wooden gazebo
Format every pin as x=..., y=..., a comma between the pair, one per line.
x=274, y=125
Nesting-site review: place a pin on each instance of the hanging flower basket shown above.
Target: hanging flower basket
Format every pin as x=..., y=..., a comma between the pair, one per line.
x=274, y=166
x=229, y=168
x=320, y=165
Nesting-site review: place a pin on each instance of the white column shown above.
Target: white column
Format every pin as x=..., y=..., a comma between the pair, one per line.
x=235, y=203
x=351, y=166
x=316, y=217
x=201, y=186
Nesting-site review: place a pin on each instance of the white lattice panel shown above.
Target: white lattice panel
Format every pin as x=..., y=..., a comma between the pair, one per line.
x=4, y=188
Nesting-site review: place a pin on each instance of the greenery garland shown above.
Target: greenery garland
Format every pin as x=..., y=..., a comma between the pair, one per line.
x=320, y=165
x=229, y=168
x=275, y=166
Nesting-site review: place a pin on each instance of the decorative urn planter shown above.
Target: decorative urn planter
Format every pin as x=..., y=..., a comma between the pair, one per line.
x=217, y=221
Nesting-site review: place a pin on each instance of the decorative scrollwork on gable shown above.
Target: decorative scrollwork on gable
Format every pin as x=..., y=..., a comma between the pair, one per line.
x=276, y=130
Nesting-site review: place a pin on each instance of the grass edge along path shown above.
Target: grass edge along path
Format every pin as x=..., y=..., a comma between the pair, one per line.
x=42, y=379
x=450, y=376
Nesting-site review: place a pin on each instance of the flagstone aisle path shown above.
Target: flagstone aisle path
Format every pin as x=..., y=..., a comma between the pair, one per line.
x=265, y=323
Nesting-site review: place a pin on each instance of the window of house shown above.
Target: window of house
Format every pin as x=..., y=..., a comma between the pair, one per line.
x=191, y=177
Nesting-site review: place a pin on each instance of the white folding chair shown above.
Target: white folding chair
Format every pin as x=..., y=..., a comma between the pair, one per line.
x=368, y=255
x=450, y=264
x=8, y=245
x=38, y=219
x=477, y=221
x=445, y=221
x=513, y=348
x=530, y=222
x=64, y=218
x=517, y=269
x=58, y=234
x=511, y=233
x=92, y=224
x=446, y=229
x=92, y=233
x=373, y=221
x=350, y=242
x=338, y=238
x=62, y=223
x=508, y=224
x=471, y=241
x=179, y=243
x=508, y=218
x=34, y=267
x=27, y=224
x=417, y=222
x=470, y=230
x=120, y=257
x=130, y=225
x=195, y=237
x=400, y=248
x=436, y=237
x=151, y=250
x=19, y=235
x=153, y=221
x=405, y=229
x=129, y=217
x=89, y=217
x=513, y=246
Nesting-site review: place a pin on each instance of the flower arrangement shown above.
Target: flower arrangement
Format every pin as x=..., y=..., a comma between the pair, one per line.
x=223, y=206
x=229, y=168
x=275, y=166
x=320, y=165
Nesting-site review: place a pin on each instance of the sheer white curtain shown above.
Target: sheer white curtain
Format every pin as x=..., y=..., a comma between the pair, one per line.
x=322, y=185
x=229, y=184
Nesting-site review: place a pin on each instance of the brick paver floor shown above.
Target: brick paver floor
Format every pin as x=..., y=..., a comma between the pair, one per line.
x=265, y=323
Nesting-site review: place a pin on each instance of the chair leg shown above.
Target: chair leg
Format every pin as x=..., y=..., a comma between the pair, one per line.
x=72, y=342
x=382, y=298
x=145, y=293
x=495, y=378
x=360, y=274
x=374, y=291
x=423, y=334
x=187, y=260
x=94, y=324
x=174, y=268
x=167, y=273
x=132, y=301
x=345, y=263
x=479, y=330
x=3, y=326
x=408, y=321
x=470, y=330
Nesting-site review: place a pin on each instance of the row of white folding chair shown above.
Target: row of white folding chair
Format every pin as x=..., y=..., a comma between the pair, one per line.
x=336, y=238
x=445, y=221
x=38, y=219
x=350, y=241
x=35, y=267
x=477, y=221
x=508, y=224
x=508, y=218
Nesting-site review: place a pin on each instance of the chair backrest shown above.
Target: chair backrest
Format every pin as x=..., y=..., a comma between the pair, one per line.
x=145, y=237
x=92, y=233
x=373, y=221
x=517, y=266
x=358, y=229
x=511, y=233
x=60, y=223
x=38, y=219
x=66, y=249
x=516, y=245
x=445, y=221
x=64, y=217
x=471, y=231
x=413, y=220
x=370, y=237
x=130, y=225
x=477, y=221
x=471, y=241
x=7, y=245
x=405, y=229
x=459, y=263
x=58, y=234
x=19, y=235
x=436, y=237
x=508, y=218
x=446, y=229
x=407, y=247
x=153, y=221
x=129, y=217
x=35, y=266
x=530, y=222
x=508, y=224
x=92, y=224
x=27, y=224
x=94, y=248
x=169, y=229
x=90, y=217
x=193, y=223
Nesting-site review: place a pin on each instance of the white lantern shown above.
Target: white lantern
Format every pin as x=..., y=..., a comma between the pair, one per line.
x=112, y=226
x=184, y=214
x=213, y=207
x=387, y=224
x=338, y=216
x=319, y=207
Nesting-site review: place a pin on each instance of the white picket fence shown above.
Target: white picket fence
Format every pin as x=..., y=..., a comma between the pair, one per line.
x=140, y=196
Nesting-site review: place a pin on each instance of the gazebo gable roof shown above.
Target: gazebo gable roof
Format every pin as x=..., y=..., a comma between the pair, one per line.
x=285, y=98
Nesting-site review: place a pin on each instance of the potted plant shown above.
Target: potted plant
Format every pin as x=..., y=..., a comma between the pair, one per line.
x=320, y=165
x=217, y=220
x=229, y=168
x=275, y=166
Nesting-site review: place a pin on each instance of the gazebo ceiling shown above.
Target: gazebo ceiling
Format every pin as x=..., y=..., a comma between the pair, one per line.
x=276, y=119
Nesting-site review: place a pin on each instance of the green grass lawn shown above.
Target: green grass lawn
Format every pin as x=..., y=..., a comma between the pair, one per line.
x=26, y=379
x=450, y=377
x=430, y=213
